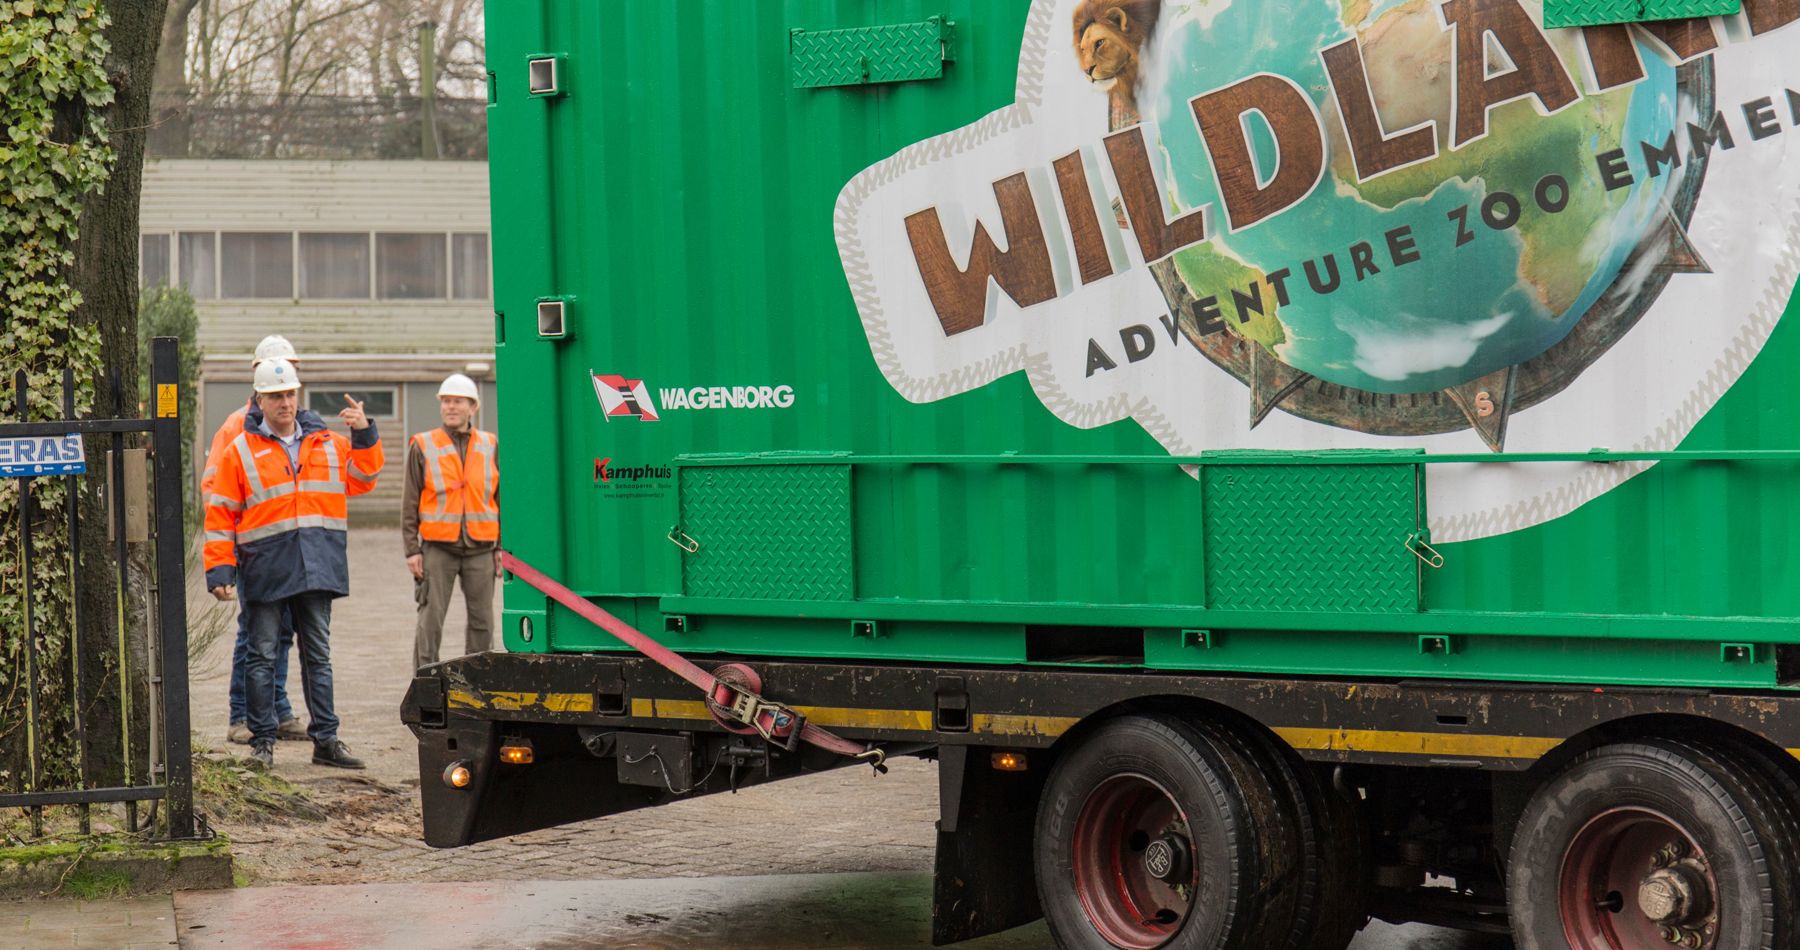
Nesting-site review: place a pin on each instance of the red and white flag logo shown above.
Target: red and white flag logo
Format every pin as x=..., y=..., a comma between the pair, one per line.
x=624, y=397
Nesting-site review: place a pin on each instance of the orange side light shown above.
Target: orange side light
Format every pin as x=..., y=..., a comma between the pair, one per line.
x=516, y=752
x=458, y=775
x=1009, y=761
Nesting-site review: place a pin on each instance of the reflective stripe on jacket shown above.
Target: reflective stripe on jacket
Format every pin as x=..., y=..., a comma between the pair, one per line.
x=457, y=490
x=234, y=425
x=276, y=531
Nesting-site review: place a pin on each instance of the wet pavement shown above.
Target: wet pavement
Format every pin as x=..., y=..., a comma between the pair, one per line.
x=770, y=912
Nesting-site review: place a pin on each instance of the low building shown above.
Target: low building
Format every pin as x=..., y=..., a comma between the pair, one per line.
x=378, y=271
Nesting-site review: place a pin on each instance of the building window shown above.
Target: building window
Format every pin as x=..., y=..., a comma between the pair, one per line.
x=328, y=401
x=334, y=266
x=198, y=264
x=469, y=276
x=410, y=266
x=153, y=260
x=256, y=265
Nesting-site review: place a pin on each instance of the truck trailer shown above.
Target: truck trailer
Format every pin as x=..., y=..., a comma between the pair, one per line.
x=1288, y=463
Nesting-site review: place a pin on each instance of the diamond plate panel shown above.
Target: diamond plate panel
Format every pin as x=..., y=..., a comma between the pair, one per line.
x=1595, y=12
x=1310, y=537
x=767, y=531
x=895, y=53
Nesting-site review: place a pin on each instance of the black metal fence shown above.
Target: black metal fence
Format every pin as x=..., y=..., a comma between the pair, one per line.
x=168, y=775
x=315, y=127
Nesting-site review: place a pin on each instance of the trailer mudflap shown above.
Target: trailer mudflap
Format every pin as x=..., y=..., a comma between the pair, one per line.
x=982, y=881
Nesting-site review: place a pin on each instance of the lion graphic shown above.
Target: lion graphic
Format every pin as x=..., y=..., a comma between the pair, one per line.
x=1109, y=40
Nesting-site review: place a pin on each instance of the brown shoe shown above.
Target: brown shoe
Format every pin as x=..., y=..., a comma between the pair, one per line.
x=238, y=733
x=290, y=728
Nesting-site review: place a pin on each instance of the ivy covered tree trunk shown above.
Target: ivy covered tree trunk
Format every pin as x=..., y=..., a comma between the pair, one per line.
x=74, y=100
x=106, y=276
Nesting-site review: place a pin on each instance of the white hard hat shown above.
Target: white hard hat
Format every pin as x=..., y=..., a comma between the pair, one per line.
x=456, y=384
x=276, y=376
x=274, y=347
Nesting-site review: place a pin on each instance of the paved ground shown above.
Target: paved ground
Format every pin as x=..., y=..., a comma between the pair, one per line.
x=888, y=911
x=136, y=924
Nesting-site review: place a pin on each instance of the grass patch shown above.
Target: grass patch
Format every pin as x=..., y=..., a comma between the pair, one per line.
x=96, y=884
x=227, y=789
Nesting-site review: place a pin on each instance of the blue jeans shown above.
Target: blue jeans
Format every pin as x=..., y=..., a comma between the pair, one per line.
x=240, y=652
x=312, y=632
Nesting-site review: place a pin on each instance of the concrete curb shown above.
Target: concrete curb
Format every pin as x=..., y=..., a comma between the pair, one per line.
x=101, y=868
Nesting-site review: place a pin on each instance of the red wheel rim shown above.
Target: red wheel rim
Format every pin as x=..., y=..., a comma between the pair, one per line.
x=1127, y=824
x=1635, y=879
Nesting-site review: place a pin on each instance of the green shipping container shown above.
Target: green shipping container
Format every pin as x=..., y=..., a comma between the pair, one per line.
x=1273, y=338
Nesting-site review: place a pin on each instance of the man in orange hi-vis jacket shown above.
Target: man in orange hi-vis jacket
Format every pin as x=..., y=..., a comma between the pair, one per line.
x=272, y=347
x=451, y=523
x=276, y=521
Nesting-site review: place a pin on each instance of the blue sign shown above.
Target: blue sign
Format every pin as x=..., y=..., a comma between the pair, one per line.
x=28, y=455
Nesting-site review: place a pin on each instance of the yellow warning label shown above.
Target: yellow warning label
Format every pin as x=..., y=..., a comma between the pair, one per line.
x=165, y=400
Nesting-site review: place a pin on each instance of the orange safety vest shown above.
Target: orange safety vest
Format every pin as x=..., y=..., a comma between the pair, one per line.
x=257, y=501
x=458, y=493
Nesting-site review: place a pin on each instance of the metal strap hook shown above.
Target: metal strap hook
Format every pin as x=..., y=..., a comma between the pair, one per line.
x=680, y=539
x=1422, y=549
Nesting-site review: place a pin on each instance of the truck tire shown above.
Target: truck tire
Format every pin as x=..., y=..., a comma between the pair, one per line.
x=1331, y=901
x=1637, y=843
x=1147, y=836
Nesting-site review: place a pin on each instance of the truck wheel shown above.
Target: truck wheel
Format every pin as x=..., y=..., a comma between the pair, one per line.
x=1147, y=836
x=1655, y=844
x=1331, y=903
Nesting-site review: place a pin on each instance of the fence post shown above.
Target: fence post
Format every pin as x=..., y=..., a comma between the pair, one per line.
x=171, y=547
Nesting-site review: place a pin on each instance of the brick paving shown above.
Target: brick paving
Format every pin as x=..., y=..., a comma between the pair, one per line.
x=846, y=820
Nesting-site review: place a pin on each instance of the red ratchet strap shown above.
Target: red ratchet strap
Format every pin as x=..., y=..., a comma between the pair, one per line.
x=731, y=703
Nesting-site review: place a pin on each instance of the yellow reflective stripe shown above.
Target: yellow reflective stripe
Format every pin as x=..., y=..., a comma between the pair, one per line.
x=323, y=488
x=252, y=477
x=912, y=720
x=285, y=525
x=331, y=460
x=221, y=535
x=258, y=497
x=229, y=504
x=356, y=472
x=1418, y=743
x=490, y=516
x=269, y=530
x=429, y=449
x=1007, y=725
x=437, y=518
x=511, y=700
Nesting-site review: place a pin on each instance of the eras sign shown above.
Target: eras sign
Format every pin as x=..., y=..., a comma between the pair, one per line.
x=33, y=455
x=1353, y=223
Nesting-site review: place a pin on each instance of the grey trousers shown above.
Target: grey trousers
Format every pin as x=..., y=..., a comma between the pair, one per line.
x=442, y=568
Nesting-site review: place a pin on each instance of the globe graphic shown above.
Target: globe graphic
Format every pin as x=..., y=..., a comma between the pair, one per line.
x=1459, y=312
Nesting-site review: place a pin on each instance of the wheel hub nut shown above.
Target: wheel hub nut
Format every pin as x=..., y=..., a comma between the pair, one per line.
x=1667, y=896
x=1166, y=858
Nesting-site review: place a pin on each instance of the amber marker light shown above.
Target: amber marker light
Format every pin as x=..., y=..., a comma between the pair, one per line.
x=458, y=775
x=1009, y=761
x=516, y=752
